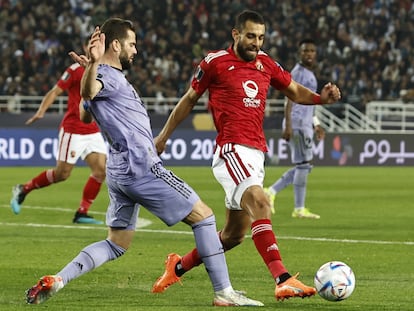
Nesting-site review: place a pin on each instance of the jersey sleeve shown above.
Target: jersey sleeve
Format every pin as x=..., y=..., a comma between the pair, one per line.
x=109, y=84
x=202, y=77
x=281, y=78
x=66, y=79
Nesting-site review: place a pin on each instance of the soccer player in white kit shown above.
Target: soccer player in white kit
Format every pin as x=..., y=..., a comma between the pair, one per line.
x=135, y=174
x=299, y=126
x=238, y=79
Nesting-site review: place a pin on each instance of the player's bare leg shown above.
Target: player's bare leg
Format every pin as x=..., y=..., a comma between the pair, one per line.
x=96, y=162
x=90, y=258
x=50, y=176
x=256, y=203
x=236, y=227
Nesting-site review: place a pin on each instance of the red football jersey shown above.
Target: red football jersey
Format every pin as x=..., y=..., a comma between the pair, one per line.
x=70, y=82
x=237, y=94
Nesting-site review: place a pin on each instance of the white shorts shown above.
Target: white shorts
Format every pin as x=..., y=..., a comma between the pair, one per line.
x=237, y=167
x=73, y=146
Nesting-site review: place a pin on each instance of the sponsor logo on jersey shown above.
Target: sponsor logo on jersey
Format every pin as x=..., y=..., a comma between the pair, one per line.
x=251, y=89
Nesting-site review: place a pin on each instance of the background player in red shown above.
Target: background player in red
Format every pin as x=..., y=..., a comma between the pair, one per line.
x=238, y=80
x=76, y=139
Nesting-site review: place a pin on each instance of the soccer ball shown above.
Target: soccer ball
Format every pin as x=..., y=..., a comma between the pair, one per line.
x=334, y=281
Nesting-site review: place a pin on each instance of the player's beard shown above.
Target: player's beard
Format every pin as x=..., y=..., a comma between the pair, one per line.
x=242, y=52
x=124, y=60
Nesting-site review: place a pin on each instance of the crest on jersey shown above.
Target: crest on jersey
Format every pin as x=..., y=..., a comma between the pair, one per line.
x=198, y=73
x=259, y=66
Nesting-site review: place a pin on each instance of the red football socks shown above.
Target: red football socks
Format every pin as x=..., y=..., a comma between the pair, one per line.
x=90, y=192
x=266, y=244
x=44, y=179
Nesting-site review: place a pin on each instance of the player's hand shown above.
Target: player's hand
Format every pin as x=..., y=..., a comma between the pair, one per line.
x=96, y=46
x=319, y=132
x=287, y=133
x=159, y=145
x=33, y=119
x=330, y=93
x=80, y=59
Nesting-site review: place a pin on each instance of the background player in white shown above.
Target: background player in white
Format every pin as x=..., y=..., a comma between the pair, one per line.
x=237, y=80
x=299, y=126
x=135, y=174
x=76, y=140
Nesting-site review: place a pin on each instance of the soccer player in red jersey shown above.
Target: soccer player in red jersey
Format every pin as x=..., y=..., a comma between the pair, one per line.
x=76, y=139
x=237, y=80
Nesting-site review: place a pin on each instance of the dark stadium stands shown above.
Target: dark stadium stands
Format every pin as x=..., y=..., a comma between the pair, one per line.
x=364, y=46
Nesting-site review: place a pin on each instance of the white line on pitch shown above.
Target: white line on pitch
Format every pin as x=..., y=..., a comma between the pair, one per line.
x=190, y=233
x=60, y=209
x=141, y=223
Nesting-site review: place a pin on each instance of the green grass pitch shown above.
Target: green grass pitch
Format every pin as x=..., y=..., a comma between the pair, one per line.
x=366, y=221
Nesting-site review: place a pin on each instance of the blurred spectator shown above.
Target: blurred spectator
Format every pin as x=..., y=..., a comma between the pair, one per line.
x=364, y=46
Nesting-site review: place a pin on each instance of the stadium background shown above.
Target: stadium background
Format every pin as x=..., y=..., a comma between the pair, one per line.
x=363, y=46
x=366, y=216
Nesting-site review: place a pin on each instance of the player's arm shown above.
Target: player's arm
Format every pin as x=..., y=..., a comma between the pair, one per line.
x=298, y=93
x=179, y=113
x=287, y=132
x=90, y=86
x=47, y=101
x=319, y=130
x=84, y=113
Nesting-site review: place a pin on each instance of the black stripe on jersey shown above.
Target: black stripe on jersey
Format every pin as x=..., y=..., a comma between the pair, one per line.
x=172, y=180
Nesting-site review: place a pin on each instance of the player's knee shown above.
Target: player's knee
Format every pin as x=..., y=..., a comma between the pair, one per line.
x=199, y=212
x=305, y=166
x=99, y=175
x=262, y=208
x=121, y=238
x=256, y=203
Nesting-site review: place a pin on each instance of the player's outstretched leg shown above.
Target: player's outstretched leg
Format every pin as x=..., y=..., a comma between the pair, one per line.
x=18, y=196
x=232, y=298
x=80, y=218
x=45, y=288
x=292, y=287
x=169, y=277
x=272, y=197
x=304, y=213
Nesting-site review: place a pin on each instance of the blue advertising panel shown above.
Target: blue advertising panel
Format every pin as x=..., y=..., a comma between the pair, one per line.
x=37, y=147
x=28, y=147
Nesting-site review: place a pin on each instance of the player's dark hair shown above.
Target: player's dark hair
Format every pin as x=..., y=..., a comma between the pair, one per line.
x=248, y=15
x=116, y=29
x=307, y=41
